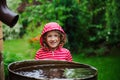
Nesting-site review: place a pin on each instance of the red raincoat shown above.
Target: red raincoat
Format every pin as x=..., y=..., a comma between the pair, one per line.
x=59, y=54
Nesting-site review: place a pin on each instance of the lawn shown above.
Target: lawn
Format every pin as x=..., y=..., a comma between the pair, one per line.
x=19, y=47
x=108, y=66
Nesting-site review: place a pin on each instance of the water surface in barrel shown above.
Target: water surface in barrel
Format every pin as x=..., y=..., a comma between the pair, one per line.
x=57, y=73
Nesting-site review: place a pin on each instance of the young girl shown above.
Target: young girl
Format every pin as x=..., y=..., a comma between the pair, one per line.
x=52, y=40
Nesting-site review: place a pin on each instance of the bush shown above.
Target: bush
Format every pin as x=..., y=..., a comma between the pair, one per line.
x=9, y=58
x=11, y=33
x=35, y=42
x=88, y=24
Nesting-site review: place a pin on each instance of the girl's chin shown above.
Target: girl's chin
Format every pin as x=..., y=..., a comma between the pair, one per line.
x=53, y=47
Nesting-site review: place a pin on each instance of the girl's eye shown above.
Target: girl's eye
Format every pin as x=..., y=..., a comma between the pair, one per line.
x=49, y=36
x=56, y=35
x=53, y=36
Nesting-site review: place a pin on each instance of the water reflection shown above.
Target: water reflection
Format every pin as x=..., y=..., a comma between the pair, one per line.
x=58, y=73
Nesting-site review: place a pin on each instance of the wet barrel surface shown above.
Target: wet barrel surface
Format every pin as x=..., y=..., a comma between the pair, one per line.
x=51, y=70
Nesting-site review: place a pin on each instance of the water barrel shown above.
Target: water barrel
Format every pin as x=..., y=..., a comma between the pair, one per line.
x=51, y=70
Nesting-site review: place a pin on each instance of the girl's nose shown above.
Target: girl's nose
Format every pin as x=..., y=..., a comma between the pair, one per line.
x=53, y=38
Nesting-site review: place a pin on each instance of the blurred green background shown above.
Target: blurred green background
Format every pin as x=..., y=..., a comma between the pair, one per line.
x=92, y=27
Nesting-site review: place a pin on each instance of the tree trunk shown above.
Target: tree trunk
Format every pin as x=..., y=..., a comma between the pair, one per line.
x=1, y=48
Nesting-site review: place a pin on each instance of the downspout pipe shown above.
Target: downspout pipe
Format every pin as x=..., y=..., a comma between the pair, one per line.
x=6, y=15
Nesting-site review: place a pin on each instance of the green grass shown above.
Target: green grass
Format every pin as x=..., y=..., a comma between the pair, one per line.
x=108, y=66
x=19, y=46
x=16, y=46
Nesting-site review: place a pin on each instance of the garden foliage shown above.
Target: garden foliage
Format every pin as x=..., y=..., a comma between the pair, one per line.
x=92, y=27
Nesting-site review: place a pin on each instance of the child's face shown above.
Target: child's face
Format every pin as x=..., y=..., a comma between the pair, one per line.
x=53, y=39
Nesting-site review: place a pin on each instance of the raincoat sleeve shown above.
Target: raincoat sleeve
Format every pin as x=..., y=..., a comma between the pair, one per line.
x=69, y=56
x=38, y=55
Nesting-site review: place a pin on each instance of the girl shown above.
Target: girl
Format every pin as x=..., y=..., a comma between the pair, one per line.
x=52, y=40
